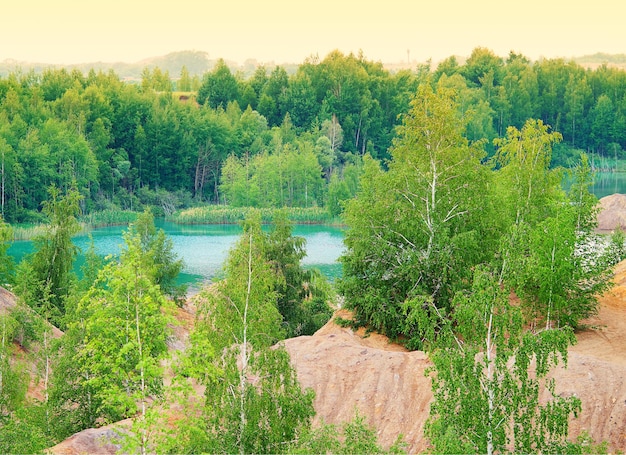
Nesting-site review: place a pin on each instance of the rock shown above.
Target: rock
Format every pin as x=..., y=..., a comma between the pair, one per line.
x=102, y=441
x=612, y=213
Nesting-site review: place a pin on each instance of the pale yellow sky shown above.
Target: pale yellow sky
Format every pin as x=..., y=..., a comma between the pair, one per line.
x=75, y=31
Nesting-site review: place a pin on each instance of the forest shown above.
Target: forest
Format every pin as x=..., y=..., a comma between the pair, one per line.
x=449, y=183
x=272, y=139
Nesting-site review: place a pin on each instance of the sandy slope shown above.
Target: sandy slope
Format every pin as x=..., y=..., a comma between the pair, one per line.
x=387, y=385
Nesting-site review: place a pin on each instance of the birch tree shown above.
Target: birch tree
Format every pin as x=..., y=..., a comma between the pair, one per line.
x=417, y=229
x=548, y=253
x=115, y=343
x=492, y=390
x=45, y=279
x=254, y=403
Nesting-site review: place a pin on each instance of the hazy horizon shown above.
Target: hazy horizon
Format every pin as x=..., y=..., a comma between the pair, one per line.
x=65, y=32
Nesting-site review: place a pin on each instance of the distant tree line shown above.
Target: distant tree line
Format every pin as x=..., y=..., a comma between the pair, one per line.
x=272, y=138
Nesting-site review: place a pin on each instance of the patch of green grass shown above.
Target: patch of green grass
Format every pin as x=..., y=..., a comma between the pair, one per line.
x=27, y=231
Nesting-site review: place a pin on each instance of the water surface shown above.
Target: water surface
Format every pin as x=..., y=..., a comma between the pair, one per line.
x=204, y=248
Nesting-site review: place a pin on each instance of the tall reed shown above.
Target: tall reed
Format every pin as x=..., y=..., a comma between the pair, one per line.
x=109, y=217
x=27, y=231
x=220, y=214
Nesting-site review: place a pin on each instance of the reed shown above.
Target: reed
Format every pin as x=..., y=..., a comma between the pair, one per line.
x=220, y=214
x=109, y=217
x=27, y=231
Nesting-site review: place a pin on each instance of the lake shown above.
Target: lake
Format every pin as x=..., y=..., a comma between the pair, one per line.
x=204, y=248
x=607, y=183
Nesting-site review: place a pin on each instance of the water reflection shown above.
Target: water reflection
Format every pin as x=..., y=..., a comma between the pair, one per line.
x=607, y=183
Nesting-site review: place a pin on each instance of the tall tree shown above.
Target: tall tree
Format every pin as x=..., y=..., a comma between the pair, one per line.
x=157, y=253
x=115, y=343
x=425, y=249
x=219, y=87
x=255, y=404
x=557, y=274
x=45, y=279
x=184, y=82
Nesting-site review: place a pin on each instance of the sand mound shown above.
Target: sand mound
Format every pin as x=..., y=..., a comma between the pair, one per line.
x=388, y=386
x=350, y=371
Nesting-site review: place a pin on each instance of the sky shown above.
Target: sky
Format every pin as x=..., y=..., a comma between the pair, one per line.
x=289, y=31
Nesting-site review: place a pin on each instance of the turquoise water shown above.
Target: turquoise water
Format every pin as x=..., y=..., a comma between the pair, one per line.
x=607, y=183
x=604, y=183
x=204, y=248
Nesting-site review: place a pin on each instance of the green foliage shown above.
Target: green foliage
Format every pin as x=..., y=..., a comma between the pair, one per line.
x=288, y=177
x=218, y=87
x=526, y=183
x=117, y=140
x=254, y=403
x=110, y=356
x=351, y=437
x=415, y=229
x=28, y=328
x=158, y=255
x=418, y=229
x=109, y=218
x=302, y=295
x=7, y=266
x=586, y=444
x=14, y=378
x=27, y=431
x=219, y=214
x=28, y=231
x=247, y=295
x=45, y=278
x=616, y=251
x=550, y=254
x=276, y=409
x=489, y=372
x=25, y=424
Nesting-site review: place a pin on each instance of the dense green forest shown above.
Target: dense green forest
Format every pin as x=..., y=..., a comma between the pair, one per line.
x=271, y=138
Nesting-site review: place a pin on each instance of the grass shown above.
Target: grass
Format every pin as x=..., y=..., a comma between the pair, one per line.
x=109, y=218
x=27, y=231
x=87, y=222
x=607, y=164
x=220, y=214
x=211, y=214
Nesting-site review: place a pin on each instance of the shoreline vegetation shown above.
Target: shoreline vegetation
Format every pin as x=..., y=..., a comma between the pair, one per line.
x=221, y=214
x=210, y=214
